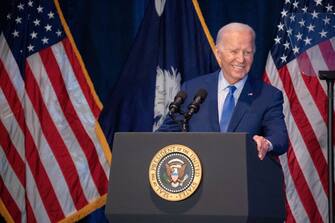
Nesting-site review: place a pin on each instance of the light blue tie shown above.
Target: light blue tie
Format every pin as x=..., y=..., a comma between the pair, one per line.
x=227, y=109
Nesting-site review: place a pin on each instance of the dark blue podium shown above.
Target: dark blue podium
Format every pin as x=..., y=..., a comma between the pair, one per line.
x=236, y=186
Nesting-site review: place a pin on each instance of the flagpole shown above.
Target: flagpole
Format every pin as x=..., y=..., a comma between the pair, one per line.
x=329, y=76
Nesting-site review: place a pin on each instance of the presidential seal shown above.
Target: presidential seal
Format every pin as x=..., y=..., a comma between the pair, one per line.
x=175, y=172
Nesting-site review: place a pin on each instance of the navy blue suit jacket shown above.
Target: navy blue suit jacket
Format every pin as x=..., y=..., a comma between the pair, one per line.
x=259, y=110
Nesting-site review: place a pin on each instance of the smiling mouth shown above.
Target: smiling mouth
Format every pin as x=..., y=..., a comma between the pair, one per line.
x=238, y=67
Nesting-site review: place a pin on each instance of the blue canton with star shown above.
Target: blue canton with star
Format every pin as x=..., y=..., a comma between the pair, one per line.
x=30, y=26
x=303, y=24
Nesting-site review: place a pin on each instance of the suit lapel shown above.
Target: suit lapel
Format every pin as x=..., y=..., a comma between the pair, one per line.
x=212, y=98
x=243, y=104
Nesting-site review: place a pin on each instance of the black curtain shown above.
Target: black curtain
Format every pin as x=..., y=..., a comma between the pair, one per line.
x=103, y=31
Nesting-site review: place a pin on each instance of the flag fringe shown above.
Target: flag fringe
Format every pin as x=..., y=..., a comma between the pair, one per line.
x=204, y=27
x=75, y=49
x=88, y=209
x=106, y=149
x=4, y=212
x=104, y=143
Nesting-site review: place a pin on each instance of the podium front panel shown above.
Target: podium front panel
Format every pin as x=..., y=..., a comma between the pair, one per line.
x=224, y=192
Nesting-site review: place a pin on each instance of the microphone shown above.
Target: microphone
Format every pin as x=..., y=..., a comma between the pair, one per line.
x=197, y=100
x=178, y=100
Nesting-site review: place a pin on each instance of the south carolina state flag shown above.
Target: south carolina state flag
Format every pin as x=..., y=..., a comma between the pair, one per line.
x=170, y=47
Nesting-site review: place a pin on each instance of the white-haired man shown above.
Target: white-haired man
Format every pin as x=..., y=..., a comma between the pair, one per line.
x=235, y=101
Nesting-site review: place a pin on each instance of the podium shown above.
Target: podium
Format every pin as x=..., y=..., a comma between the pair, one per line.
x=235, y=187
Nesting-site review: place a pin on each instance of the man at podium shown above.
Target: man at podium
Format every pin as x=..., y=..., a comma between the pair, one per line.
x=235, y=102
x=207, y=177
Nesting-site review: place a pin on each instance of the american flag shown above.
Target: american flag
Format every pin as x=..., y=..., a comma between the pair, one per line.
x=304, y=44
x=54, y=158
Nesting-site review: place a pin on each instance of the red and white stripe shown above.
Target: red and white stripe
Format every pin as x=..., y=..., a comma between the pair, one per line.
x=52, y=161
x=305, y=108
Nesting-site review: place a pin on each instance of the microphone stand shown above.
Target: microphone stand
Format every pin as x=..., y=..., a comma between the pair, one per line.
x=329, y=76
x=183, y=123
x=192, y=109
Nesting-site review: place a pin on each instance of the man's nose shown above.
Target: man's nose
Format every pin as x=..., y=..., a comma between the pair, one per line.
x=240, y=56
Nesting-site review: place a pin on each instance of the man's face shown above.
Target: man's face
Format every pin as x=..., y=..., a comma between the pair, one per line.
x=235, y=52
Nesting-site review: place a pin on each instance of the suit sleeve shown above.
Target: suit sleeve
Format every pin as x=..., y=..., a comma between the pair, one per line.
x=169, y=125
x=274, y=126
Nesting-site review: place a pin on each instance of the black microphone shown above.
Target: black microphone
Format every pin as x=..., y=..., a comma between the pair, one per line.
x=194, y=106
x=178, y=100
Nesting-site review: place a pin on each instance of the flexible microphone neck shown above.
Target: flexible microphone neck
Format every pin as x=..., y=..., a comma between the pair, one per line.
x=179, y=99
x=198, y=99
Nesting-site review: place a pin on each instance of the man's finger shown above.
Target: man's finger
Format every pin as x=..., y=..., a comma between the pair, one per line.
x=261, y=154
x=258, y=141
x=262, y=146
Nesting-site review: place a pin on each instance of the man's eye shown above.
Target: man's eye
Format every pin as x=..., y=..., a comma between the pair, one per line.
x=247, y=53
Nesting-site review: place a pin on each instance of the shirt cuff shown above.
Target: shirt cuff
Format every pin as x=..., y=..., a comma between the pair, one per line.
x=270, y=145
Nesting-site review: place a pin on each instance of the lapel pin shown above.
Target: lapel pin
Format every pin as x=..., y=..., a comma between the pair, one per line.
x=250, y=94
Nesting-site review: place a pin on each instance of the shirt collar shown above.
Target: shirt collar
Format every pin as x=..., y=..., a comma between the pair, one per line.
x=223, y=83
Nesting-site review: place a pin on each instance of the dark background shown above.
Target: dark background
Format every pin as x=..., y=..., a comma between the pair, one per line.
x=105, y=30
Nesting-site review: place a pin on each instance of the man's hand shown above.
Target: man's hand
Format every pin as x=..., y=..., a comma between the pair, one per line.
x=263, y=146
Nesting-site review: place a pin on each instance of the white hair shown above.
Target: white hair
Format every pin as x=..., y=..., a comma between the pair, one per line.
x=235, y=26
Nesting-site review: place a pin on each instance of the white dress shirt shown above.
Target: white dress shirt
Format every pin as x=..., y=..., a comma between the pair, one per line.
x=223, y=91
